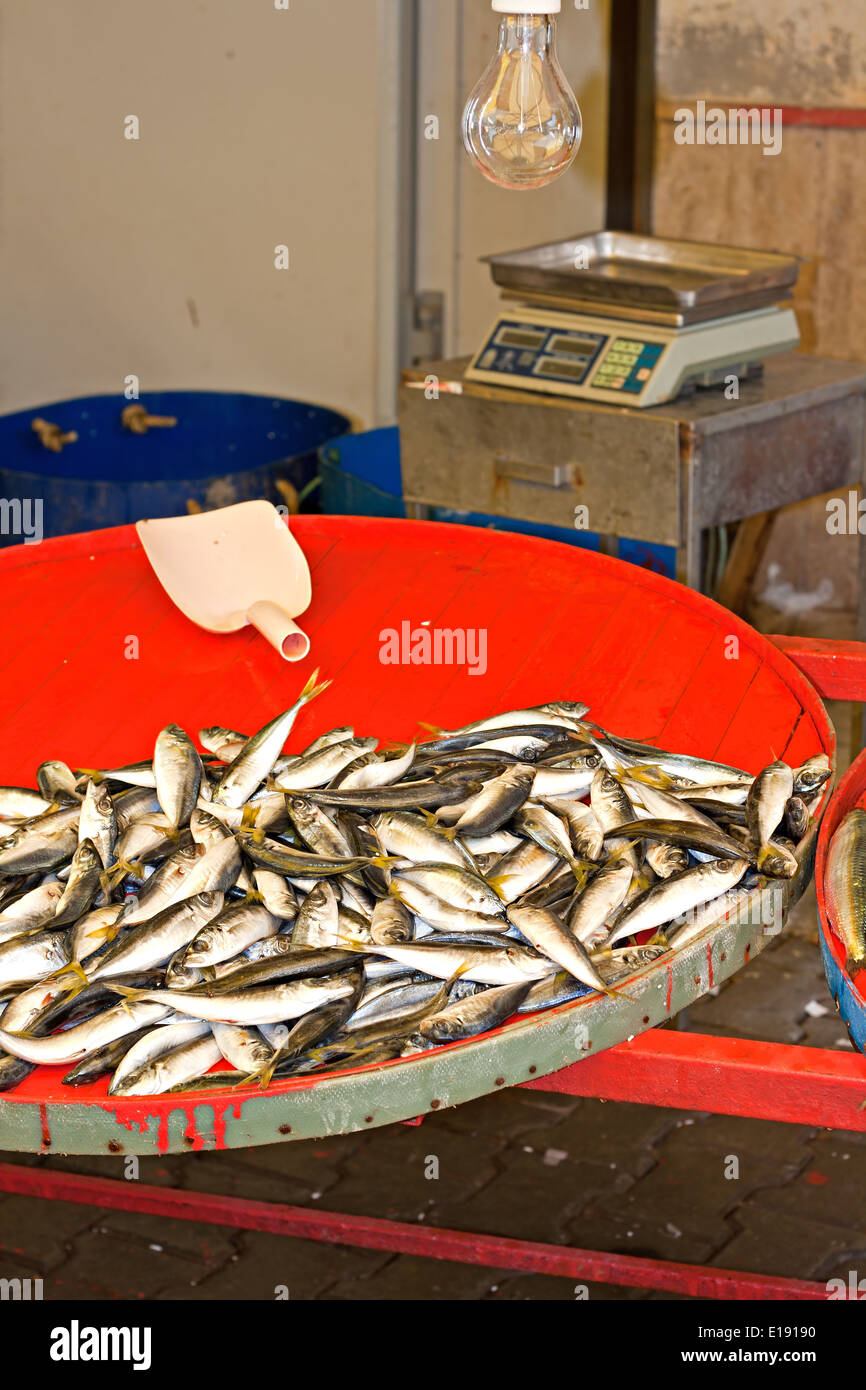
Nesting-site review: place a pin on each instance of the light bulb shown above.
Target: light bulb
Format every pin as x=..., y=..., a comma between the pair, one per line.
x=522, y=124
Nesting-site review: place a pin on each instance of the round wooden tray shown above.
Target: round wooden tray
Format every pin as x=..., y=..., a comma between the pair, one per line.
x=95, y=660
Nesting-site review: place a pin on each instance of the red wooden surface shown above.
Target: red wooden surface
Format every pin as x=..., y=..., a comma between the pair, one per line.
x=652, y=658
x=372, y=1233
x=724, y=1076
x=836, y=669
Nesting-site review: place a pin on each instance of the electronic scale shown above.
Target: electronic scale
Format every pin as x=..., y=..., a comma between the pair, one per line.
x=624, y=319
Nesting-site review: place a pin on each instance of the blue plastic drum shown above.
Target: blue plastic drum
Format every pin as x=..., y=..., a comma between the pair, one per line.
x=225, y=447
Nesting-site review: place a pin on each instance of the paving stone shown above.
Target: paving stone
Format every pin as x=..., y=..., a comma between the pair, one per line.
x=413, y=1279
x=286, y=1173
x=784, y=1243
x=750, y=1006
x=387, y=1177
x=779, y=1148
x=117, y=1266
x=206, y=1244
x=528, y=1199
x=619, y=1135
x=38, y=1231
x=543, y=1288
x=650, y=1234
x=830, y=1190
x=261, y=1263
x=508, y=1113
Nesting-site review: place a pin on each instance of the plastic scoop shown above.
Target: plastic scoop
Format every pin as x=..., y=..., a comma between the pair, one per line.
x=231, y=567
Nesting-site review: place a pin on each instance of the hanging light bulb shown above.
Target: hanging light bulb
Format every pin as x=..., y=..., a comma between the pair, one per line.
x=522, y=124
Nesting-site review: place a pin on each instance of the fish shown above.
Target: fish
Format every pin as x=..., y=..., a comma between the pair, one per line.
x=154, y=941
x=409, y=836
x=82, y=884
x=171, y=1071
x=845, y=887
x=98, y=822
x=225, y=936
x=497, y=802
x=153, y=1043
x=768, y=796
x=320, y=768
x=549, y=935
x=255, y=762
x=32, y=957
x=63, y=1049
x=593, y=908
x=272, y=1003
x=20, y=803
x=32, y=910
x=477, y=1014
x=677, y=896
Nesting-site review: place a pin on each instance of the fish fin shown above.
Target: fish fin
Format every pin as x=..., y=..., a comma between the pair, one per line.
x=254, y=896
x=393, y=746
x=94, y=773
x=249, y=818
x=449, y=833
x=659, y=939
x=126, y=991
x=650, y=774
x=384, y=861
x=433, y=728
x=497, y=883
x=430, y=818
x=619, y=994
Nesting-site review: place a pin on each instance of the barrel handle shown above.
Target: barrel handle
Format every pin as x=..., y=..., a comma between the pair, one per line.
x=52, y=436
x=138, y=419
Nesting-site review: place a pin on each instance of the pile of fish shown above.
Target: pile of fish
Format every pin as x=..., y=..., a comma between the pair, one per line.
x=347, y=905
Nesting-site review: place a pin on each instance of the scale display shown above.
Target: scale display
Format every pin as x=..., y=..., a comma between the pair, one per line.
x=605, y=361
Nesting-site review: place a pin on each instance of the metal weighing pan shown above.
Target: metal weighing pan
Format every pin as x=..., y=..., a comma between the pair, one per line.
x=652, y=658
x=633, y=271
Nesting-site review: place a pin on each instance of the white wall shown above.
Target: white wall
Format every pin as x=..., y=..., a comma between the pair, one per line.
x=258, y=126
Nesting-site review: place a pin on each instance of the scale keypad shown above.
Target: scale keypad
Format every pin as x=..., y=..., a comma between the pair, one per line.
x=627, y=366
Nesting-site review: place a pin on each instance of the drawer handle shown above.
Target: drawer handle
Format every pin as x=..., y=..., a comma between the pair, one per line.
x=541, y=474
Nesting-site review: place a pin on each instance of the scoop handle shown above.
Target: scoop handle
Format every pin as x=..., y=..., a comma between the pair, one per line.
x=281, y=630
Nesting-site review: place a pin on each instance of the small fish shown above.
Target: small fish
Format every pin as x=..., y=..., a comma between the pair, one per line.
x=63, y=1049
x=82, y=884
x=319, y=768
x=271, y=1003
x=172, y=1070
x=466, y=1018
x=593, y=909
x=549, y=935
x=845, y=887
x=153, y=1043
x=391, y=923
x=255, y=762
x=32, y=910
x=497, y=802
x=155, y=941
x=20, y=803
x=225, y=936
x=770, y=792
x=678, y=896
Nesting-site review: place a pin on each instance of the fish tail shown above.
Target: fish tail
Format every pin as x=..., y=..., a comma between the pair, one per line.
x=127, y=992
x=73, y=968
x=659, y=939
x=254, y=896
x=384, y=861
x=311, y=689
x=619, y=994
x=449, y=834
x=433, y=728
x=249, y=817
x=93, y=773
x=266, y=1075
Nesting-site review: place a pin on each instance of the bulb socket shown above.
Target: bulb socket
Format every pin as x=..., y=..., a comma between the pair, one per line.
x=526, y=7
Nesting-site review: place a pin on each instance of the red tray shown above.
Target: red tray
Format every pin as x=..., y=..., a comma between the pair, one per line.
x=95, y=660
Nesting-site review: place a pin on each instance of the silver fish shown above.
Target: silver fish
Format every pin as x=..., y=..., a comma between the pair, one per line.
x=154, y=941
x=257, y=757
x=62, y=1049
x=549, y=935
x=677, y=896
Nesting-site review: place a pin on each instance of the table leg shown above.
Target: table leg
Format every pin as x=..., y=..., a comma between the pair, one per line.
x=417, y=511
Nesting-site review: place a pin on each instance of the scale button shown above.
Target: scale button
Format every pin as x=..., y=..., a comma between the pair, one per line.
x=526, y=359
x=488, y=360
x=617, y=382
x=644, y=374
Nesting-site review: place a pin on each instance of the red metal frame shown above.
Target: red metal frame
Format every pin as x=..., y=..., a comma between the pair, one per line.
x=667, y=1068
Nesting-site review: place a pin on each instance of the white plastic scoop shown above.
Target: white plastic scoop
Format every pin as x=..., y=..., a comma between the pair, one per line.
x=231, y=567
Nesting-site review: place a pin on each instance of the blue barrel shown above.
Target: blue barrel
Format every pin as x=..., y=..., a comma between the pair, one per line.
x=226, y=447
x=361, y=476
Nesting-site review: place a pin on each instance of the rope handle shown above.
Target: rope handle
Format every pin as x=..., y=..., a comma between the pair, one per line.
x=138, y=419
x=52, y=436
